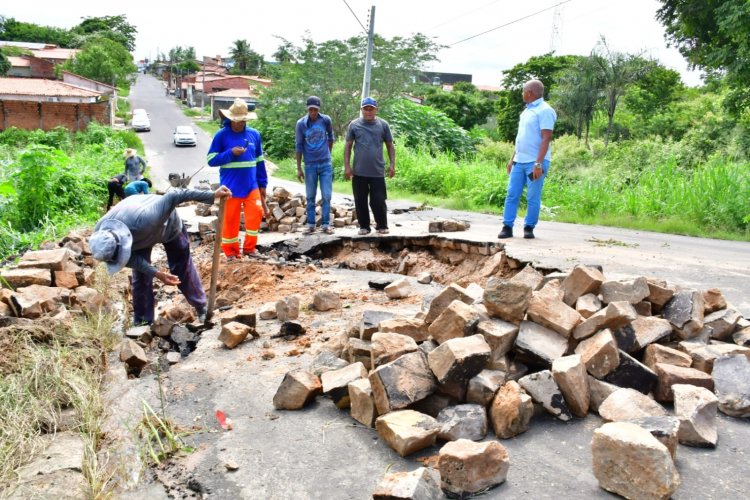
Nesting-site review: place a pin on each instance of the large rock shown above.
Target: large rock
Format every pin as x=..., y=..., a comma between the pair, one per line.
x=47, y=259
x=132, y=354
x=244, y=316
x=670, y=375
x=232, y=334
x=696, y=408
x=362, y=402
x=400, y=383
x=336, y=382
x=18, y=278
x=546, y=309
x=387, y=347
x=742, y=337
x=633, y=374
x=359, y=351
x=713, y=300
x=484, y=385
x=570, y=375
x=298, y=388
x=399, y=289
x=407, y=431
x=457, y=320
x=658, y=293
x=732, y=384
x=500, y=335
x=588, y=305
x=641, y=332
x=685, y=312
x=467, y=467
x=704, y=356
x=632, y=291
x=467, y=421
x=657, y=353
x=581, y=281
x=411, y=327
x=459, y=359
x=599, y=353
x=539, y=346
x=622, y=452
x=542, y=388
x=599, y=391
x=326, y=300
x=288, y=308
x=664, y=429
x=627, y=404
x=615, y=315
x=419, y=484
x=507, y=300
x=35, y=300
x=443, y=300
x=370, y=321
x=325, y=361
x=722, y=323
x=529, y=276
x=511, y=411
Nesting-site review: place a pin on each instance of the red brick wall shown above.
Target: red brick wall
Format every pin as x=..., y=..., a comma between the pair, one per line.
x=229, y=83
x=41, y=68
x=25, y=115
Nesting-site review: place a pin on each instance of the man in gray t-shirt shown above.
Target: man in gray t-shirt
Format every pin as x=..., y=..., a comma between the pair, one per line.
x=367, y=134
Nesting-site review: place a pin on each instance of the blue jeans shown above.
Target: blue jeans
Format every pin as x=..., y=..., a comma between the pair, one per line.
x=518, y=179
x=322, y=172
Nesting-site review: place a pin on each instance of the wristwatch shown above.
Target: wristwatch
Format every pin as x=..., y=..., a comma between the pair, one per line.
x=537, y=164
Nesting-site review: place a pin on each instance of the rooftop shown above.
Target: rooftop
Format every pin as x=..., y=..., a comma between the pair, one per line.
x=42, y=88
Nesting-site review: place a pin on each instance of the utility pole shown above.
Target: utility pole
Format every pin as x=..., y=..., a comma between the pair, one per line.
x=203, y=84
x=368, y=59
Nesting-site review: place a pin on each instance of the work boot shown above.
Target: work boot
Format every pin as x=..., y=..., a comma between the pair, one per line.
x=528, y=232
x=202, y=312
x=507, y=232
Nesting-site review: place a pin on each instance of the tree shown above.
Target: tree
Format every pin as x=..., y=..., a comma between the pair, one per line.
x=16, y=31
x=713, y=35
x=116, y=28
x=333, y=71
x=464, y=104
x=577, y=95
x=4, y=64
x=284, y=54
x=246, y=60
x=654, y=91
x=616, y=71
x=103, y=60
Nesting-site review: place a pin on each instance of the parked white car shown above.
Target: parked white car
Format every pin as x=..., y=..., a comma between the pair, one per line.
x=185, y=136
x=140, y=120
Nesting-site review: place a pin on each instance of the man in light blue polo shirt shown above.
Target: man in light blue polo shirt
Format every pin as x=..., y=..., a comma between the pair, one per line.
x=313, y=141
x=530, y=162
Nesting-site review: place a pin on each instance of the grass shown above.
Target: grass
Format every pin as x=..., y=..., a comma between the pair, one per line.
x=47, y=367
x=211, y=127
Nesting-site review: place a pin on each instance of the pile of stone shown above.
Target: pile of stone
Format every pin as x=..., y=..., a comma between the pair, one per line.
x=55, y=282
x=287, y=213
x=570, y=343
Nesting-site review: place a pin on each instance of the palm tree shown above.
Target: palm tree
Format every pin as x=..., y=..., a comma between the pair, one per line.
x=242, y=54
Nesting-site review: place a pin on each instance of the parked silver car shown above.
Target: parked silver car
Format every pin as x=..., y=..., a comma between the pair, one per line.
x=184, y=136
x=140, y=120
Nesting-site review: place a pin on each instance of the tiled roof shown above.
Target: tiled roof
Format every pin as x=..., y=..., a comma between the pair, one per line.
x=43, y=88
x=235, y=93
x=56, y=53
x=19, y=62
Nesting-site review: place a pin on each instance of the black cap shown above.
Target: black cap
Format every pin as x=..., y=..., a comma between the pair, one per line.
x=313, y=102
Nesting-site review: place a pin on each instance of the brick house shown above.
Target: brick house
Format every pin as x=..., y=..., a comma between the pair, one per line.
x=30, y=67
x=31, y=103
x=225, y=98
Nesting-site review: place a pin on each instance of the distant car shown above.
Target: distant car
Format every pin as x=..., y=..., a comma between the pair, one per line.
x=184, y=136
x=140, y=120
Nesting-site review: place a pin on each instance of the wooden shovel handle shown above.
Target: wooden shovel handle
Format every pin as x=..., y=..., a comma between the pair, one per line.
x=216, y=259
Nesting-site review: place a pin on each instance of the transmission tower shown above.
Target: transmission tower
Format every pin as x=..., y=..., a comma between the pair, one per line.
x=555, y=40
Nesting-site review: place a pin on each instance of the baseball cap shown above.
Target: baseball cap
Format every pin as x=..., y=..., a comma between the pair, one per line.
x=369, y=101
x=313, y=102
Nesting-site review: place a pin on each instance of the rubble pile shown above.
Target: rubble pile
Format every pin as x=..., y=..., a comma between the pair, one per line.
x=286, y=213
x=654, y=360
x=55, y=282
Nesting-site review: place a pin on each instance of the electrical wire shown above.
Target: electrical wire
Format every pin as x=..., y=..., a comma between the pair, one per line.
x=355, y=17
x=509, y=23
x=453, y=19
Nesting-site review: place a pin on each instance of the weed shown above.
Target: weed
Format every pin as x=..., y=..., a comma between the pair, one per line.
x=611, y=243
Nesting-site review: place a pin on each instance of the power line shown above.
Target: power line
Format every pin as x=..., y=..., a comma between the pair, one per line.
x=509, y=23
x=453, y=19
x=355, y=17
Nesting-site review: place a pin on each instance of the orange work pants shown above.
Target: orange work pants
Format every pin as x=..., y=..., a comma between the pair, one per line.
x=230, y=241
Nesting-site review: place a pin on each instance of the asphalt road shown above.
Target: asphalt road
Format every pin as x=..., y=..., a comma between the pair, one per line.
x=320, y=453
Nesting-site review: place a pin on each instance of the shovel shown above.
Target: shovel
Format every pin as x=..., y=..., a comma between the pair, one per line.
x=215, y=263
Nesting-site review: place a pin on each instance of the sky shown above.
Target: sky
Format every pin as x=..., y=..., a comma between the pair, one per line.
x=522, y=30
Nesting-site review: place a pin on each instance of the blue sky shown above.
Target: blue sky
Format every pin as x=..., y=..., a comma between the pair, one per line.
x=628, y=25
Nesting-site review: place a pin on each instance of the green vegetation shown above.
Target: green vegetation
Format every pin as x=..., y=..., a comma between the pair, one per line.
x=51, y=182
x=47, y=367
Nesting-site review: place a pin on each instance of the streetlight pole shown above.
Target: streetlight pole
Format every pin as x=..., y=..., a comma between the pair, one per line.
x=203, y=84
x=368, y=59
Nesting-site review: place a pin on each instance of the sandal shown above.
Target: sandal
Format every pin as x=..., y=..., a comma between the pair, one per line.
x=328, y=230
x=363, y=231
x=383, y=231
x=309, y=230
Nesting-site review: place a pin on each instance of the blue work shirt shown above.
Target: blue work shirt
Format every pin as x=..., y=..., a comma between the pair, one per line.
x=537, y=116
x=312, y=138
